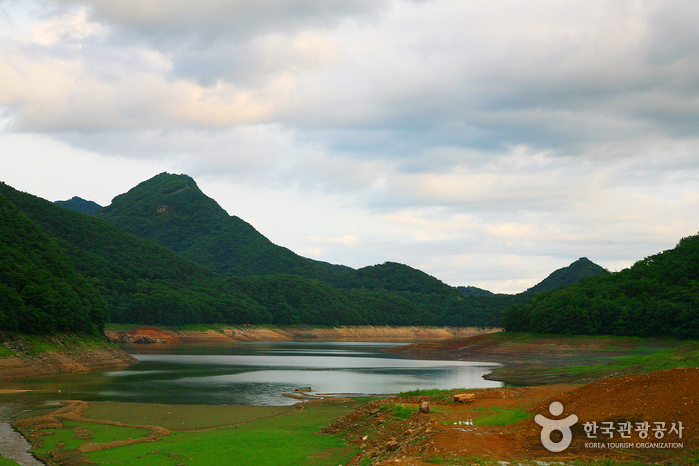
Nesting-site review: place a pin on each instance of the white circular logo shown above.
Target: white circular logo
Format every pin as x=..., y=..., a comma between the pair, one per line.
x=562, y=425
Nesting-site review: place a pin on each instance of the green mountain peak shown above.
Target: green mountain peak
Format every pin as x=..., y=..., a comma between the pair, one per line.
x=172, y=211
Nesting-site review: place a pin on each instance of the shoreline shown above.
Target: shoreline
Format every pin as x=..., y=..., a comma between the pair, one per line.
x=33, y=355
x=496, y=424
x=235, y=334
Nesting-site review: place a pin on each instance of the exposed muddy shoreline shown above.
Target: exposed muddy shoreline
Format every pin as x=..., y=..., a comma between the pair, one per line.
x=223, y=334
x=537, y=359
x=57, y=354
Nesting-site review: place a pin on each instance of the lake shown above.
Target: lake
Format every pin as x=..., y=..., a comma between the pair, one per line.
x=256, y=373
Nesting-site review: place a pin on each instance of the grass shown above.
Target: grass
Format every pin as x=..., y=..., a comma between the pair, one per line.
x=59, y=342
x=684, y=355
x=402, y=412
x=7, y=462
x=182, y=417
x=251, y=435
x=502, y=417
x=435, y=394
x=284, y=440
x=423, y=392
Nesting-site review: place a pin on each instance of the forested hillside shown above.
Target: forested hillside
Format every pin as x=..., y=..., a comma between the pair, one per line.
x=298, y=300
x=140, y=281
x=657, y=296
x=575, y=272
x=145, y=283
x=40, y=291
x=80, y=205
x=172, y=211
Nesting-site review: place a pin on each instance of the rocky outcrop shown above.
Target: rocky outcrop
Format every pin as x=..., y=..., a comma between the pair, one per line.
x=155, y=335
x=57, y=354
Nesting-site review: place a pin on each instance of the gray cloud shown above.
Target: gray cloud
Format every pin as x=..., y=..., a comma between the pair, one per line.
x=441, y=131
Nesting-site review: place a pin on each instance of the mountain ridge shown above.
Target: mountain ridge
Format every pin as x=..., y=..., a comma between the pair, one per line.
x=172, y=211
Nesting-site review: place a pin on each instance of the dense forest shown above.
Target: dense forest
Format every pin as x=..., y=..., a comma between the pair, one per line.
x=40, y=291
x=140, y=281
x=145, y=283
x=80, y=205
x=657, y=296
x=253, y=281
x=172, y=211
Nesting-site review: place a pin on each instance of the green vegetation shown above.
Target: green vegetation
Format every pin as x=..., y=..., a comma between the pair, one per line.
x=235, y=276
x=657, y=296
x=502, y=417
x=172, y=211
x=297, y=300
x=423, y=392
x=80, y=205
x=684, y=355
x=40, y=291
x=286, y=437
x=575, y=272
x=402, y=411
x=141, y=282
x=7, y=462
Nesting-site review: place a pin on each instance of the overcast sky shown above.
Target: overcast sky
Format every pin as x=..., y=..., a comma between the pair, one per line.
x=486, y=143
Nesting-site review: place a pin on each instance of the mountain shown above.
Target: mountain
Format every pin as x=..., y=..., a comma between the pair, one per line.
x=144, y=283
x=80, y=205
x=473, y=291
x=172, y=211
x=392, y=276
x=657, y=296
x=141, y=282
x=578, y=270
x=40, y=291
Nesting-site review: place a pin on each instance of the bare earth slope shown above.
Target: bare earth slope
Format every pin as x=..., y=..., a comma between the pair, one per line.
x=57, y=354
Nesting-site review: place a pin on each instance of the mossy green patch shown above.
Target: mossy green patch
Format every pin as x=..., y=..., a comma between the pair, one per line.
x=502, y=417
x=284, y=440
x=7, y=462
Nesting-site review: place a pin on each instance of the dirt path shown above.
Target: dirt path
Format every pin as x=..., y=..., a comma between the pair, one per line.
x=73, y=410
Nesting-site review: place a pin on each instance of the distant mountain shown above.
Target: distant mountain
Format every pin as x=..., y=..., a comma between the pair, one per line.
x=40, y=291
x=578, y=270
x=80, y=205
x=172, y=211
x=144, y=283
x=392, y=276
x=141, y=282
x=657, y=296
x=473, y=291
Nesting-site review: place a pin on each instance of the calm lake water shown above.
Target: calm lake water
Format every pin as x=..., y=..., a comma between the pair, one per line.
x=257, y=374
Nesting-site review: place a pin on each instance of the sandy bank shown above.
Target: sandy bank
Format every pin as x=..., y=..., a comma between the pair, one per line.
x=57, y=354
x=149, y=335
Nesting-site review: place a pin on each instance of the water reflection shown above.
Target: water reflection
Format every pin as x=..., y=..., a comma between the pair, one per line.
x=259, y=374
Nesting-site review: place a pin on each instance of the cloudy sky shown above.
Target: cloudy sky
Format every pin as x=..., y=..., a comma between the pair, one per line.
x=486, y=143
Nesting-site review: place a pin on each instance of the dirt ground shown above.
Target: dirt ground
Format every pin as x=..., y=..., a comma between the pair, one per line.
x=528, y=359
x=447, y=433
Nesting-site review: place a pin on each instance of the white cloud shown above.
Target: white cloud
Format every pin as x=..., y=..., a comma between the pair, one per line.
x=434, y=133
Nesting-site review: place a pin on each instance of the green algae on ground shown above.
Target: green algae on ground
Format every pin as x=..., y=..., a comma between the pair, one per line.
x=279, y=440
x=211, y=435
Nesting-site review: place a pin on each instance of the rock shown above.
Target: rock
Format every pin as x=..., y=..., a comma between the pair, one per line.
x=392, y=445
x=425, y=407
x=464, y=397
